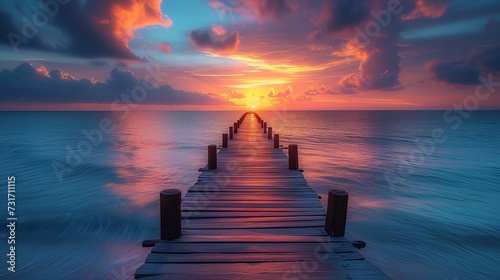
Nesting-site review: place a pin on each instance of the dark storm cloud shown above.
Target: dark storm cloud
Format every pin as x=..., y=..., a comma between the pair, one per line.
x=466, y=71
x=27, y=83
x=262, y=9
x=89, y=29
x=208, y=41
x=272, y=8
x=337, y=15
x=372, y=29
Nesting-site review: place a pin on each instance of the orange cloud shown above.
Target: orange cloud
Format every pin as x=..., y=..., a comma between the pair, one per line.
x=164, y=47
x=427, y=9
x=124, y=17
x=318, y=90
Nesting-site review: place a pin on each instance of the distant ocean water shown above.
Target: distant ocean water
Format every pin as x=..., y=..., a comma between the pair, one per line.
x=438, y=219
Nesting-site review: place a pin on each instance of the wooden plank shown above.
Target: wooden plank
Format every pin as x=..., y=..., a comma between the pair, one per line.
x=242, y=220
x=321, y=275
x=255, y=233
x=246, y=209
x=252, y=225
x=250, y=239
x=248, y=257
x=279, y=270
x=253, y=204
x=184, y=248
x=248, y=214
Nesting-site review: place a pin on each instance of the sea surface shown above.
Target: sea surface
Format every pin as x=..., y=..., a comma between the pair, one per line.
x=424, y=186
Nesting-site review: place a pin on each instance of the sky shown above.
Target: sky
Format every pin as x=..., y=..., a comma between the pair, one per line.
x=241, y=54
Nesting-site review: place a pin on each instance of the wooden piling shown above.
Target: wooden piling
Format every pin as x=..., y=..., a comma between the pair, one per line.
x=170, y=214
x=336, y=212
x=265, y=127
x=212, y=157
x=293, y=157
x=235, y=126
x=224, y=140
x=230, y=132
x=276, y=141
x=269, y=133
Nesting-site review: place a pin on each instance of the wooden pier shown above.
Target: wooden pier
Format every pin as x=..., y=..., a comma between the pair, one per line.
x=252, y=215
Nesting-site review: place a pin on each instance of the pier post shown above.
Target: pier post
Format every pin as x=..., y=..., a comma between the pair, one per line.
x=269, y=133
x=170, y=214
x=212, y=157
x=276, y=141
x=293, y=157
x=265, y=127
x=235, y=125
x=261, y=123
x=224, y=140
x=230, y=132
x=336, y=212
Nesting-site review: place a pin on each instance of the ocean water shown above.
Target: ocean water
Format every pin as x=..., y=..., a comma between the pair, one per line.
x=424, y=188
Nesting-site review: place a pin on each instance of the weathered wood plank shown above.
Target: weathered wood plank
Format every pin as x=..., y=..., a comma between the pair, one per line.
x=242, y=220
x=251, y=239
x=278, y=270
x=248, y=257
x=184, y=248
x=199, y=214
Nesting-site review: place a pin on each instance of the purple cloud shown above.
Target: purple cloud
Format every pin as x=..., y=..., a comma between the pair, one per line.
x=208, y=41
x=27, y=83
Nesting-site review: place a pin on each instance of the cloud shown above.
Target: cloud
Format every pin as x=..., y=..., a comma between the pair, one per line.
x=318, y=90
x=164, y=47
x=456, y=72
x=286, y=95
x=271, y=8
x=208, y=41
x=373, y=37
x=218, y=30
x=260, y=9
x=232, y=94
x=466, y=71
x=349, y=84
x=27, y=83
x=319, y=47
x=337, y=15
x=491, y=24
x=78, y=25
x=424, y=9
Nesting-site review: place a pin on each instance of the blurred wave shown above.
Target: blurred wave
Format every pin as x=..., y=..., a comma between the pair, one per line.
x=442, y=223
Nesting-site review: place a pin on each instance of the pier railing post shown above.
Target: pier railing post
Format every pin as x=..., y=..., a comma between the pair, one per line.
x=336, y=212
x=170, y=214
x=269, y=133
x=293, y=157
x=230, y=132
x=276, y=141
x=235, y=125
x=265, y=127
x=224, y=140
x=212, y=157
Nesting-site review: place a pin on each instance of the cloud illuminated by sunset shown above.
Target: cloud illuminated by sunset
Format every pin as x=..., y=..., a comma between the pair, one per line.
x=326, y=54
